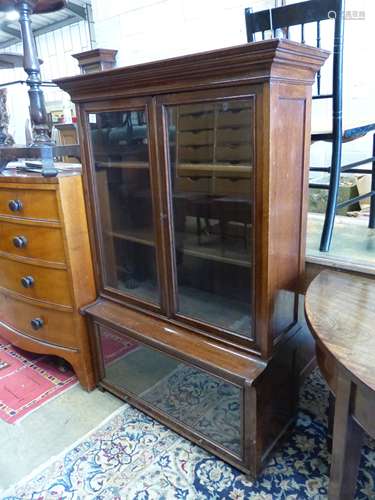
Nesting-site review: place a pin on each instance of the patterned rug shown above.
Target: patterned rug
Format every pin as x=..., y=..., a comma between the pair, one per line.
x=28, y=381
x=132, y=457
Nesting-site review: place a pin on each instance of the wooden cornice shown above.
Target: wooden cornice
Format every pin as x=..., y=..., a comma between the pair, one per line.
x=274, y=59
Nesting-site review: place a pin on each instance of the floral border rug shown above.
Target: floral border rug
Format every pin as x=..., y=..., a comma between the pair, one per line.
x=133, y=457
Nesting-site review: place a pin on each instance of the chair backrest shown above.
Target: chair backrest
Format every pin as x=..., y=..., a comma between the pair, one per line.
x=280, y=19
x=313, y=11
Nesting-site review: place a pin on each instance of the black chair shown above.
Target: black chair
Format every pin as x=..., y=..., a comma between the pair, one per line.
x=278, y=21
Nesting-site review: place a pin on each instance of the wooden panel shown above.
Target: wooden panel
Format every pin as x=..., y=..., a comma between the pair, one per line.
x=288, y=184
x=36, y=204
x=58, y=327
x=245, y=63
x=77, y=240
x=43, y=242
x=51, y=285
x=174, y=339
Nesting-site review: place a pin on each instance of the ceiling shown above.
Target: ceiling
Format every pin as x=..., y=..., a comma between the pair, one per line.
x=76, y=10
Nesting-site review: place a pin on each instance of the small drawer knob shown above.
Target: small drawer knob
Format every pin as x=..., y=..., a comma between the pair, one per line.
x=27, y=281
x=20, y=241
x=37, y=323
x=15, y=205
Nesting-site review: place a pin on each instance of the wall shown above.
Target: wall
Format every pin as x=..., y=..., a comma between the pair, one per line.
x=145, y=30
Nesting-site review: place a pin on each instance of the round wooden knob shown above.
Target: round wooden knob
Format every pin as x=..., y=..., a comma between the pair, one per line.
x=15, y=205
x=20, y=241
x=27, y=281
x=37, y=323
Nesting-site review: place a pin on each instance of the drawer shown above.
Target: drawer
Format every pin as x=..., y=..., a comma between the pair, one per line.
x=232, y=187
x=29, y=203
x=235, y=118
x=200, y=154
x=200, y=138
x=55, y=327
x=196, y=121
x=188, y=185
x=234, y=153
x=40, y=242
x=36, y=282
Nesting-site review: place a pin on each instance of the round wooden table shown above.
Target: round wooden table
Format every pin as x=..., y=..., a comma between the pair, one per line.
x=340, y=310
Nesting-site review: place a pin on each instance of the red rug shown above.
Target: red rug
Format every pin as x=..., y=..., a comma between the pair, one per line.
x=27, y=380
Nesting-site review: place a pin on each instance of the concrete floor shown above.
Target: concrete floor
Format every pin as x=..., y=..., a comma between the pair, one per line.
x=353, y=243
x=49, y=430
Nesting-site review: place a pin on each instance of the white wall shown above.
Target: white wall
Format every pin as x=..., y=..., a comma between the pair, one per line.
x=145, y=30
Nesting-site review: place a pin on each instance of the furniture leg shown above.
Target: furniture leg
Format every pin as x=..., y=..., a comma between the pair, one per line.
x=347, y=444
x=335, y=171
x=331, y=418
x=85, y=376
x=371, y=223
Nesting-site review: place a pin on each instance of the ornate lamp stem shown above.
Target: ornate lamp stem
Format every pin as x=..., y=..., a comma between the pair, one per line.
x=38, y=113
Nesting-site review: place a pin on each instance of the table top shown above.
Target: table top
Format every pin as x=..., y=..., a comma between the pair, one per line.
x=340, y=310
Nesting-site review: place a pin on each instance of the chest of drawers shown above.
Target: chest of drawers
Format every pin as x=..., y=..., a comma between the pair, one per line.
x=45, y=267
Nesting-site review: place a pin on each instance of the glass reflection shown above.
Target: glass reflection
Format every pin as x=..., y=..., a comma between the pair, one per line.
x=120, y=150
x=203, y=402
x=211, y=157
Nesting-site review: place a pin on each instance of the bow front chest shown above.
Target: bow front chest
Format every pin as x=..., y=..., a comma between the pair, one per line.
x=45, y=267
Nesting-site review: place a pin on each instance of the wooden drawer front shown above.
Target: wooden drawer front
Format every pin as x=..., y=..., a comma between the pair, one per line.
x=196, y=121
x=42, y=242
x=57, y=326
x=234, y=153
x=187, y=185
x=229, y=187
x=31, y=203
x=51, y=285
x=201, y=138
x=200, y=154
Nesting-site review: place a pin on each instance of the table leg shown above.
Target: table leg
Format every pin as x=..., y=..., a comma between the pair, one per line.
x=347, y=444
x=331, y=417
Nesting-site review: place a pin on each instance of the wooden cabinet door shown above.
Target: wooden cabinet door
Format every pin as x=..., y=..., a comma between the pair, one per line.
x=208, y=162
x=124, y=184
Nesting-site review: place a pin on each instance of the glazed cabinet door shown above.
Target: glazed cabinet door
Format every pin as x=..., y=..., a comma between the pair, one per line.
x=208, y=160
x=122, y=172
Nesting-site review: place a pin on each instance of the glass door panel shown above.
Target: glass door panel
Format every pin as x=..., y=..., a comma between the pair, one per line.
x=120, y=150
x=211, y=158
x=210, y=406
